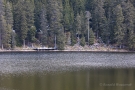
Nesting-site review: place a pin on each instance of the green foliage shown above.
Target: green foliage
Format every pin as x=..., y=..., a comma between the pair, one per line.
x=6, y=23
x=82, y=42
x=55, y=22
x=111, y=20
x=31, y=34
x=44, y=27
x=91, y=37
x=73, y=38
x=118, y=25
x=60, y=41
x=13, y=41
x=132, y=43
x=5, y=36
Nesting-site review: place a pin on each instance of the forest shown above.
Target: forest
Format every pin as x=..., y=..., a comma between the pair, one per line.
x=41, y=22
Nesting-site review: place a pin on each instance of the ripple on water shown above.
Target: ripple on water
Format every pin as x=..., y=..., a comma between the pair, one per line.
x=62, y=61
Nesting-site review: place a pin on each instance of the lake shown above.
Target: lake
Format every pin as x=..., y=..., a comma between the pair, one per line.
x=67, y=71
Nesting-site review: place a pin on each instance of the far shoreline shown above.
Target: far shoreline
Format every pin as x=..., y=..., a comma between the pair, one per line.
x=94, y=51
x=75, y=48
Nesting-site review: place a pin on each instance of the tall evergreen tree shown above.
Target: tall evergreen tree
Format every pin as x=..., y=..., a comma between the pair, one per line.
x=23, y=28
x=6, y=25
x=56, y=28
x=23, y=21
x=29, y=10
x=9, y=21
x=3, y=29
x=9, y=14
x=99, y=18
x=44, y=26
x=129, y=20
x=91, y=37
x=1, y=21
x=17, y=13
x=66, y=14
x=118, y=25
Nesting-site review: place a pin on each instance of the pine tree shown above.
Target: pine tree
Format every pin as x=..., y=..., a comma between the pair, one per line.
x=82, y=42
x=6, y=25
x=3, y=30
x=1, y=21
x=118, y=25
x=29, y=13
x=68, y=19
x=37, y=12
x=23, y=28
x=66, y=14
x=18, y=9
x=55, y=20
x=78, y=24
x=108, y=33
x=24, y=21
x=31, y=34
x=91, y=37
x=9, y=21
x=129, y=20
x=9, y=14
x=99, y=18
x=44, y=26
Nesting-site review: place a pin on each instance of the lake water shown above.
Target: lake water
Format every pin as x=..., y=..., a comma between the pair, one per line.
x=67, y=71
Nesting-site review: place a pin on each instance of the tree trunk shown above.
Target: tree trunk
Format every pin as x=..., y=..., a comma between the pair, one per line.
x=24, y=43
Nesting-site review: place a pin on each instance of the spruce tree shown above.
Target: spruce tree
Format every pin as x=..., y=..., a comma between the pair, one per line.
x=1, y=21
x=6, y=25
x=29, y=13
x=82, y=41
x=118, y=25
x=3, y=32
x=23, y=28
x=44, y=26
x=99, y=18
x=24, y=21
x=55, y=20
x=129, y=20
x=91, y=37
x=78, y=24
x=66, y=14
x=18, y=9
x=9, y=21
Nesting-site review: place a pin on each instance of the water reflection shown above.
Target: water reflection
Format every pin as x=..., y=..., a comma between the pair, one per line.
x=98, y=79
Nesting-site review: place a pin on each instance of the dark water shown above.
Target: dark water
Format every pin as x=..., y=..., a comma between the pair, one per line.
x=67, y=71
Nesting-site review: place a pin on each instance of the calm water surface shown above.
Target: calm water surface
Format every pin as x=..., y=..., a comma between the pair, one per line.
x=67, y=71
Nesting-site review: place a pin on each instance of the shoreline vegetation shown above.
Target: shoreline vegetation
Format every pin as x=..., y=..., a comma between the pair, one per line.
x=60, y=23
x=77, y=48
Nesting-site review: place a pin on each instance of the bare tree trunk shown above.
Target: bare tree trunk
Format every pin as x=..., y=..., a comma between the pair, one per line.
x=24, y=43
x=0, y=40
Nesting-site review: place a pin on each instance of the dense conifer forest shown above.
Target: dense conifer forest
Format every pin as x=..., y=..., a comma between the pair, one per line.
x=41, y=22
